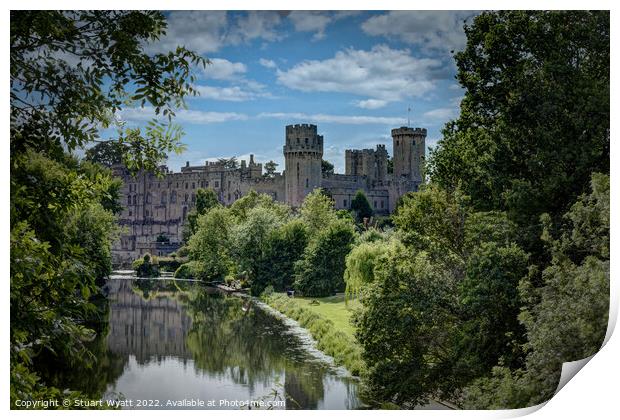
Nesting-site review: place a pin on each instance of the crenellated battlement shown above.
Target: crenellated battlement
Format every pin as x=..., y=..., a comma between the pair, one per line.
x=407, y=131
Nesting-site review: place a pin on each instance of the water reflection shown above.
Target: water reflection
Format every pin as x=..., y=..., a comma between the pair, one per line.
x=180, y=341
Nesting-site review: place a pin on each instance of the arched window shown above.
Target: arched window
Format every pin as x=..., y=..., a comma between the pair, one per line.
x=134, y=199
x=173, y=196
x=128, y=199
x=307, y=183
x=186, y=197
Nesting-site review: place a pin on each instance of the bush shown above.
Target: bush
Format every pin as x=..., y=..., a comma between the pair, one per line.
x=146, y=267
x=170, y=263
x=189, y=270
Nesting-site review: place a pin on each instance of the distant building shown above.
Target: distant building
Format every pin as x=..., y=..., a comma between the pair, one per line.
x=154, y=206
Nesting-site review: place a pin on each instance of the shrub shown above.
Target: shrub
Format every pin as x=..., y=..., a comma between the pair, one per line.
x=146, y=267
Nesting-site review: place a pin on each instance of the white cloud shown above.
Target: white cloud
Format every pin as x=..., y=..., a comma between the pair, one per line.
x=432, y=30
x=337, y=119
x=441, y=114
x=232, y=93
x=381, y=73
x=208, y=31
x=317, y=21
x=371, y=104
x=270, y=64
x=202, y=32
x=222, y=69
x=255, y=25
x=182, y=116
x=311, y=22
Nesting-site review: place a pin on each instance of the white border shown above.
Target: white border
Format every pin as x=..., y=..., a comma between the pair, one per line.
x=592, y=394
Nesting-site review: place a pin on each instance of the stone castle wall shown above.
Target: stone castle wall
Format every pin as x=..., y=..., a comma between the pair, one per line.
x=159, y=206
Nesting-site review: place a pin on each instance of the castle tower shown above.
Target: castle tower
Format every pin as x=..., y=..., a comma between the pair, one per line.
x=303, y=152
x=409, y=150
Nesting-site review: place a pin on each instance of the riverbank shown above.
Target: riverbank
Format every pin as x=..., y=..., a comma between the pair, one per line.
x=328, y=323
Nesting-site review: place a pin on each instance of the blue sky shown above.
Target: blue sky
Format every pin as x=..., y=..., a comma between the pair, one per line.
x=354, y=74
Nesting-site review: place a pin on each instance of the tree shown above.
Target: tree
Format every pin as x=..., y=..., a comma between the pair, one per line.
x=71, y=72
x=327, y=168
x=270, y=169
x=107, y=153
x=229, y=163
x=206, y=199
x=250, y=237
x=284, y=247
x=317, y=211
x=210, y=244
x=361, y=206
x=534, y=121
x=566, y=319
x=321, y=270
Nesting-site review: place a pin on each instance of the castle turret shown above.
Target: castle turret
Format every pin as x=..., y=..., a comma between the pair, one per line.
x=409, y=150
x=303, y=152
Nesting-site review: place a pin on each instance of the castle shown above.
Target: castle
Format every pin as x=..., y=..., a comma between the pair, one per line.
x=158, y=207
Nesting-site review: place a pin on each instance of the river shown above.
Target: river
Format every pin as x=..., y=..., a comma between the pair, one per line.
x=169, y=344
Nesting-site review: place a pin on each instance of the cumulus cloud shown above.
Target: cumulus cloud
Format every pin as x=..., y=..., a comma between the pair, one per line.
x=432, y=30
x=231, y=93
x=337, y=119
x=311, y=22
x=208, y=31
x=182, y=116
x=270, y=64
x=443, y=114
x=317, y=21
x=371, y=104
x=382, y=73
x=222, y=69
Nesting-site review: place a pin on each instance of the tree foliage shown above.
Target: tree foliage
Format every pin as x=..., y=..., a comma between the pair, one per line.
x=320, y=272
x=361, y=207
x=534, y=122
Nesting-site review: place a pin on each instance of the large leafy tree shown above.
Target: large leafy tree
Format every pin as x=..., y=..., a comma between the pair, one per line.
x=361, y=206
x=71, y=73
x=534, y=121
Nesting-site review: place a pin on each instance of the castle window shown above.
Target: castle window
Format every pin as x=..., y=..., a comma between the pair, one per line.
x=186, y=197
x=147, y=213
x=186, y=185
x=159, y=185
x=306, y=141
x=307, y=182
x=397, y=142
x=177, y=185
x=207, y=184
x=163, y=197
x=193, y=198
x=229, y=197
x=148, y=198
x=134, y=199
x=130, y=212
x=193, y=185
x=381, y=203
x=229, y=184
x=375, y=204
x=217, y=184
x=344, y=202
x=129, y=199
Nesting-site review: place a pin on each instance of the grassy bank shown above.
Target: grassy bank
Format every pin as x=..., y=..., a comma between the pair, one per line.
x=329, y=324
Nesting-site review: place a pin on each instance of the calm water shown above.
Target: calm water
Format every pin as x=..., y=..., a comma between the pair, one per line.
x=164, y=344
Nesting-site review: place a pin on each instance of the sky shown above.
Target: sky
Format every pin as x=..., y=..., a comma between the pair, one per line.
x=353, y=74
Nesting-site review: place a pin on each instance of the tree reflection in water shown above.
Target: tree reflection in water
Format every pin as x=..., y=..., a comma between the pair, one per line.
x=208, y=338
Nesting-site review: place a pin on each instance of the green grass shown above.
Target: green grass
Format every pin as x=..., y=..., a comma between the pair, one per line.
x=327, y=322
x=334, y=309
